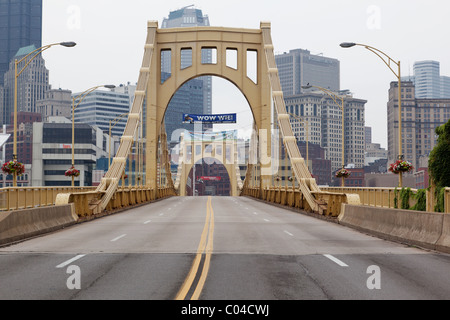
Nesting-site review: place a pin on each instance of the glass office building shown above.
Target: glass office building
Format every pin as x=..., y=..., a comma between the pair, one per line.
x=100, y=107
x=20, y=26
x=195, y=96
x=428, y=82
x=299, y=68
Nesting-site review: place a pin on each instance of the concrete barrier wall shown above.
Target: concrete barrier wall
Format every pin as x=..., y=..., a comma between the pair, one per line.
x=23, y=224
x=443, y=243
x=425, y=229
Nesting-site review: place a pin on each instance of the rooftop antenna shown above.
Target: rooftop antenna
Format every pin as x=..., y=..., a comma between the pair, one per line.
x=191, y=5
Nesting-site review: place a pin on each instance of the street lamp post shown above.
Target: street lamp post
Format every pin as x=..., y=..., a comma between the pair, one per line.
x=80, y=98
x=305, y=124
x=388, y=60
x=17, y=73
x=341, y=106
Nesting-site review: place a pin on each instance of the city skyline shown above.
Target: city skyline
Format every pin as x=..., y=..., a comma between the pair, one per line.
x=111, y=52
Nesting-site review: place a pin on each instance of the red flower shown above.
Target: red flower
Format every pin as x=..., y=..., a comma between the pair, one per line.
x=13, y=166
x=343, y=173
x=72, y=172
x=400, y=166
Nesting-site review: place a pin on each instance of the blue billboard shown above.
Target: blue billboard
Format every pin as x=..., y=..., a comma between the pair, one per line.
x=209, y=118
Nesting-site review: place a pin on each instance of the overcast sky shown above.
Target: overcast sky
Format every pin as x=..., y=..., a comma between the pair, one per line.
x=111, y=35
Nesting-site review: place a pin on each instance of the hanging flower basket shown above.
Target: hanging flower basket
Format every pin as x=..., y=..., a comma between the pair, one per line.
x=72, y=172
x=343, y=173
x=13, y=166
x=277, y=178
x=125, y=176
x=400, y=166
x=290, y=178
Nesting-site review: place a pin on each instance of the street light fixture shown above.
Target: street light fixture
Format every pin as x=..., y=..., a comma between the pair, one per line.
x=341, y=106
x=17, y=73
x=80, y=98
x=388, y=60
x=68, y=44
x=347, y=44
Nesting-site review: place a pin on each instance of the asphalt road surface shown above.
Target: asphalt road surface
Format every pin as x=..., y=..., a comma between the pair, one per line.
x=217, y=248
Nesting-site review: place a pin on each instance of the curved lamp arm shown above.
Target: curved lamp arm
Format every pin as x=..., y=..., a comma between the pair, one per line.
x=383, y=56
x=38, y=51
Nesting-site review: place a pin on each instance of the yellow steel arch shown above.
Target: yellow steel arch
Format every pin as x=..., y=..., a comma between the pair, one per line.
x=223, y=151
x=220, y=40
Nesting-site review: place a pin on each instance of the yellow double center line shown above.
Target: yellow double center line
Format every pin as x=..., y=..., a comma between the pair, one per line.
x=205, y=249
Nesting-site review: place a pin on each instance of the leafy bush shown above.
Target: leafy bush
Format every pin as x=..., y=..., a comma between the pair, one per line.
x=439, y=162
x=439, y=165
x=396, y=198
x=405, y=194
x=421, y=197
x=440, y=193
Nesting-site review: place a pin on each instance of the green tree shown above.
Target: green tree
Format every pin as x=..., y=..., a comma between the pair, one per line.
x=439, y=161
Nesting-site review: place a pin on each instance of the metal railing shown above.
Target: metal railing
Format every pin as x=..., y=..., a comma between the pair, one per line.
x=16, y=198
x=293, y=197
x=447, y=200
x=123, y=198
x=377, y=197
x=384, y=197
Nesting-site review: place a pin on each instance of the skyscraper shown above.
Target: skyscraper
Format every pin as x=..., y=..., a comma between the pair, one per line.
x=55, y=103
x=323, y=119
x=420, y=117
x=299, y=67
x=427, y=79
x=100, y=107
x=185, y=17
x=318, y=111
x=31, y=85
x=428, y=82
x=20, y=26
x=185, y=100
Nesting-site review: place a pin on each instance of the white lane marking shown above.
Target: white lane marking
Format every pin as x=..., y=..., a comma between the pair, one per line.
x=255, y=213
x=147, y=222
x=336, y=260
x=161, y=214
x=267, y=220
x=117, y=238
x=287, y=232
x=62, y=265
